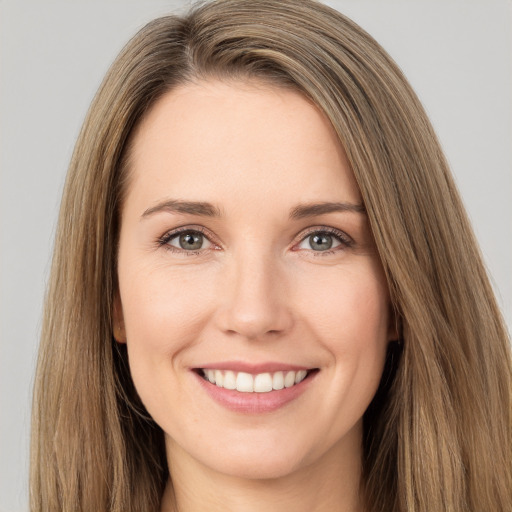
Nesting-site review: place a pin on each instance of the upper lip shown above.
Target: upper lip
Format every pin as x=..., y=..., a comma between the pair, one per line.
x=240, y=366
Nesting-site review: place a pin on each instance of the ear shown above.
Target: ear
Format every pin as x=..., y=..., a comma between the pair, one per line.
x=118, y=319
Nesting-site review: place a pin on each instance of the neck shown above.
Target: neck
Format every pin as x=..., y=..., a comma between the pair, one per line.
x=330, y=483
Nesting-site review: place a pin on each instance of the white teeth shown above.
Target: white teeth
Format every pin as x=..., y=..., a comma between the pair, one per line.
x=289, y=379
x=263, y=383
x=278, y=380
x=260, y=383
x=244, y=382
x=300, y=375
x=229, y=380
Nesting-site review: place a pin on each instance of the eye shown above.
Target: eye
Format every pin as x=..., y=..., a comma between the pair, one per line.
x=319, y=242
x=188, y=240
x=325, y=241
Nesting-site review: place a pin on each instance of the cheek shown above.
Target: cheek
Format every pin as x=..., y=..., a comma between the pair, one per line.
x=351, y=322
x=164, y=316
x=160, y=305
x=348, y=307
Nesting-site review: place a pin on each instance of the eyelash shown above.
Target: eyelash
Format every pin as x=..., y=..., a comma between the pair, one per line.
x=344, y=240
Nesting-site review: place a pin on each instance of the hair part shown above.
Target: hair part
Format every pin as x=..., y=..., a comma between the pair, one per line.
x=438, y=434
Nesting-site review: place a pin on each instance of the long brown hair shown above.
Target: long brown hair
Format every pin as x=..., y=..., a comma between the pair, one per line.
x=438, y=434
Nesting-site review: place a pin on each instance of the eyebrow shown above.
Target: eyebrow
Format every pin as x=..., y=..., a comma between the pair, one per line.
x=178, y=206
x=205, y=209
x=313, y=209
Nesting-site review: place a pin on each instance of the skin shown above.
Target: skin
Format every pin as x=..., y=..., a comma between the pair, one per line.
x=256, y=291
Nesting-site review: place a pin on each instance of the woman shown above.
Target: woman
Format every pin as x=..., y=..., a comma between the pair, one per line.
x=265, y=291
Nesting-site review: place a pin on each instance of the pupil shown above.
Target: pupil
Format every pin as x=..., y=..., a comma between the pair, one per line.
x=191, y=241
x=320, y=242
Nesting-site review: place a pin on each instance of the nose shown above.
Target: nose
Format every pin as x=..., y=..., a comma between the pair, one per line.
x=255, y=303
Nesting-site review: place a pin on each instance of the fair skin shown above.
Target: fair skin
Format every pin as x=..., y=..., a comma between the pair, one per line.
x=248, y=287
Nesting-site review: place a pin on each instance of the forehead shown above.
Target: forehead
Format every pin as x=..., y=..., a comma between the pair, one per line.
x=214, y=141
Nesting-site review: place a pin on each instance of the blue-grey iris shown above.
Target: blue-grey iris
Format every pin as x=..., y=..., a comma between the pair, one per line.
x=191, y=241
x=320, y=242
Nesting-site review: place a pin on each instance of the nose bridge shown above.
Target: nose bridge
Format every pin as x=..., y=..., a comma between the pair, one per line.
x=255, y=289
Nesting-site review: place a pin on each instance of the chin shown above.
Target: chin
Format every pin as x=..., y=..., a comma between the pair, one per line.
x=260, y=468
x=251, y=459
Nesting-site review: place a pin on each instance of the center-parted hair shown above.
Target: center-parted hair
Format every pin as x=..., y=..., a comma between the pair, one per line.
x=437, y=436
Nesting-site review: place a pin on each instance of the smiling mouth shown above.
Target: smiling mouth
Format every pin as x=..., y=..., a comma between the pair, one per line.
x=258, y=383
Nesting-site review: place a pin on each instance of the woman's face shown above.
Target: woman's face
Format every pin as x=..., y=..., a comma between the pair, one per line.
x=246, y=258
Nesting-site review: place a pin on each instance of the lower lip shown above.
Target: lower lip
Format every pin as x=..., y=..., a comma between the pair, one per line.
x=254, y=403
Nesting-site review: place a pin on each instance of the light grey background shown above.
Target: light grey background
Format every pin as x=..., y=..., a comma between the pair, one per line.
x=53, y=54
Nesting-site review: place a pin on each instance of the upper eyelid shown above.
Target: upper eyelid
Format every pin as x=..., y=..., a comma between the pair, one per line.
x=183, y=229
x=342, y=235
